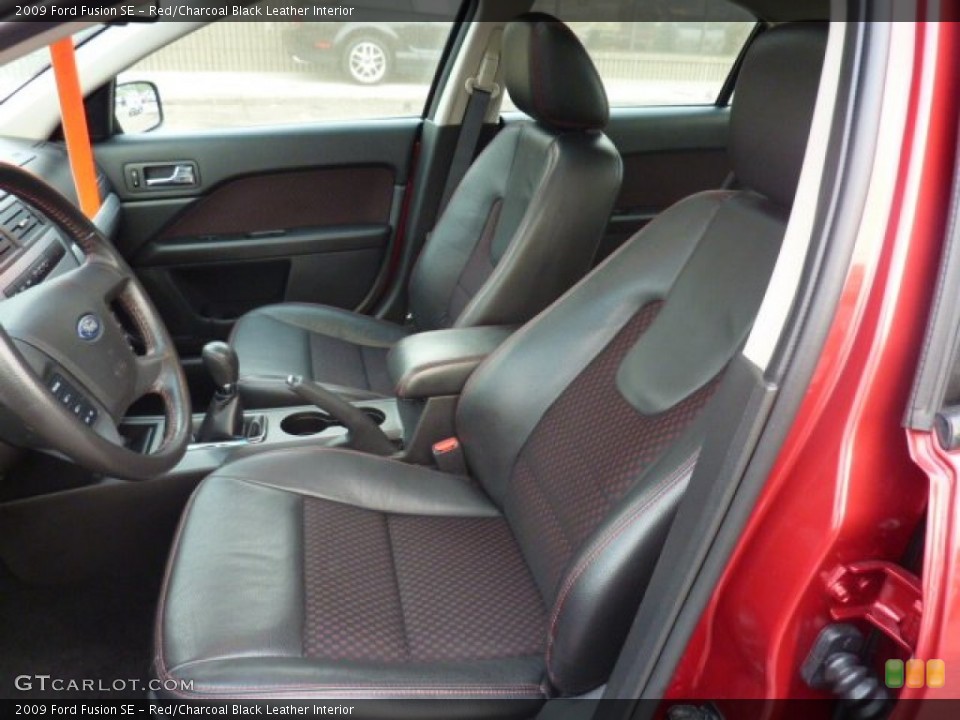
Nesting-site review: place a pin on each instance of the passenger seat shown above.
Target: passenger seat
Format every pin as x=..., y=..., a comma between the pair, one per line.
x=522, y=227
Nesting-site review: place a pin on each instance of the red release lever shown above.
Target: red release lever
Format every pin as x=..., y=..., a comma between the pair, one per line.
x=446, y=446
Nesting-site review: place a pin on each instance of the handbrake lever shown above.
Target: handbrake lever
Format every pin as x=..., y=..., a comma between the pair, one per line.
x=362, y=432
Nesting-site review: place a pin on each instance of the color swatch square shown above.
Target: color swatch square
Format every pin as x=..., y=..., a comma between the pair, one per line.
x=893, y=673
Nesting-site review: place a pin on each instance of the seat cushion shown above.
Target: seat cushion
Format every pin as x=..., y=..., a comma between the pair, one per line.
x=343, y=350
x=347, y=575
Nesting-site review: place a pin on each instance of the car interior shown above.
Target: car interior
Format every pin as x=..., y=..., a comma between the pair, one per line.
x=302, y=413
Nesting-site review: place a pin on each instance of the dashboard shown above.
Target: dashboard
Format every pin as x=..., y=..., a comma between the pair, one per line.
x=32, y=248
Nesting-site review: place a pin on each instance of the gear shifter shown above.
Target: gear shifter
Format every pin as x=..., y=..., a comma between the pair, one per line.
x=224, y=418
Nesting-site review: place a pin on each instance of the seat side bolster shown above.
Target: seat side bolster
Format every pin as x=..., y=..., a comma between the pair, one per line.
x=588, y=622
x=499, y=407
x=206, y=610
x=458, y=231
x=293, y=677
x=561, y=227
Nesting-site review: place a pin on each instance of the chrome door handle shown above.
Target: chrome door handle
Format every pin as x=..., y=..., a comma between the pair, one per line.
x=175, y=175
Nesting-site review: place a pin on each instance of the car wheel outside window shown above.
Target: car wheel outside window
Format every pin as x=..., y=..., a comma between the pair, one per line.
x=367, y=60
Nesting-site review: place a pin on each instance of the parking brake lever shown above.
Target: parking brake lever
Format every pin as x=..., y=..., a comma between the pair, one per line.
x=363, y=433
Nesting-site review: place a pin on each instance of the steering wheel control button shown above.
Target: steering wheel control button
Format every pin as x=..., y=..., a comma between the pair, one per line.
x=68, y=395
x=55, y=384
x=38, y=271
x=89, y=327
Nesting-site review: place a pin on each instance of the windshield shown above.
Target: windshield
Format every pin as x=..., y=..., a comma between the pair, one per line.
x=17, y=73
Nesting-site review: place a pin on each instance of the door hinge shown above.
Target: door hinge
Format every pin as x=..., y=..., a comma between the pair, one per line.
x=882, y=594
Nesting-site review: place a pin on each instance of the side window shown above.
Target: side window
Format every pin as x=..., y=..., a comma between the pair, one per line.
x=233, y=74
x=657, y=52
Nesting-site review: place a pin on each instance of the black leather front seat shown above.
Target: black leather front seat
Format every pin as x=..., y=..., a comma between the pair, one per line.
x=327, y=573
x=522, y=227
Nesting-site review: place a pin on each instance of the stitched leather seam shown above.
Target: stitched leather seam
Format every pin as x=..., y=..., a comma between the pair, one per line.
x=406, y=381
x=396, y=582
x=547, y=502
x=270, y=313
x=164, y=673
x=342, y=501
x=302, y=542
x=719, y=197
x=495, y=281
x=159, y=659
x=384, y=690
x=363, y=366
x=486, y=232
x=612, y=534
x=308, y=341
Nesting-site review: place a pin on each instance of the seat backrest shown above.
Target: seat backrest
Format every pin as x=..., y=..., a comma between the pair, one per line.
x=586, y=424
x=525, y=222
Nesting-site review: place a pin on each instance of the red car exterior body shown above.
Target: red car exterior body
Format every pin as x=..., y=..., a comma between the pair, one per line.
x=850, y=484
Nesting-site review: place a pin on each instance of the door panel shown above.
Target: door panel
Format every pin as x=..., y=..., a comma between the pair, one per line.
x=668, y=154
x=264, y=204
x=285, y=214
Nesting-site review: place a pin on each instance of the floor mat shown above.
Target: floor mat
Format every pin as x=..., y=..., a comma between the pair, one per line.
x=99, y=631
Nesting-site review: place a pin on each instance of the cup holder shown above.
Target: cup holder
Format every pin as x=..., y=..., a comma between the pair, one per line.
x=312, y=422
x=306, y=423
x=377, y=416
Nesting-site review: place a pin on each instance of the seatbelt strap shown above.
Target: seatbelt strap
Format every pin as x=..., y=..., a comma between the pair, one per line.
x=75, y=131
x=482, y=90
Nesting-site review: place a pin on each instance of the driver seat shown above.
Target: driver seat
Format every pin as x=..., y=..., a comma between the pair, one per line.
x=315, y=573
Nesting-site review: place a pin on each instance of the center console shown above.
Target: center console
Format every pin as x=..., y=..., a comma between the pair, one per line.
x=429, y=371
x=263, y=430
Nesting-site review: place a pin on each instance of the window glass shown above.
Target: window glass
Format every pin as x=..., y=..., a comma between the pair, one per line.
x=657, y=52
x=243, y=74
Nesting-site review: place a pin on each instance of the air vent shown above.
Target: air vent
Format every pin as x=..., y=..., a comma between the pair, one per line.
x=19, y=222
x=6, y=245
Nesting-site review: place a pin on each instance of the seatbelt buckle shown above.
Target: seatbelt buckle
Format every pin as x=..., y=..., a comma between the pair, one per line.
x=448, y=455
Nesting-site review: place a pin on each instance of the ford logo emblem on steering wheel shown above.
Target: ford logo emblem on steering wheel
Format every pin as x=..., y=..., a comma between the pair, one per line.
x=89, y=327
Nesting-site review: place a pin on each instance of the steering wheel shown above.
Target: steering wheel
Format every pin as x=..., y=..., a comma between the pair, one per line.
x=68, y=371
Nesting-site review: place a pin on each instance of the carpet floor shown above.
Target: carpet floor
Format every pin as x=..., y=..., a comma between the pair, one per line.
x=98, y=630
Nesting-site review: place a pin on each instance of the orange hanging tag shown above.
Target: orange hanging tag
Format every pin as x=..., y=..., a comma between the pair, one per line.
x=75, y=130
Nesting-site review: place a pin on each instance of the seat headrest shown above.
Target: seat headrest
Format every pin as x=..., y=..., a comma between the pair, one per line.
x=773, y=108
x=550, y=76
